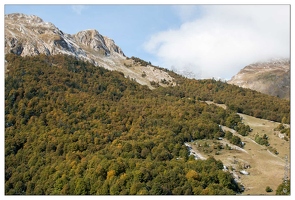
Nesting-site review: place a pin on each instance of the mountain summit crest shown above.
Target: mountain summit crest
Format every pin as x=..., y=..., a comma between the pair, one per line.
x=29, y=35
x=271, y=77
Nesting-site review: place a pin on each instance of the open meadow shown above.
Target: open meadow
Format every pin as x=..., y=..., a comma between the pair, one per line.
x=265, y=168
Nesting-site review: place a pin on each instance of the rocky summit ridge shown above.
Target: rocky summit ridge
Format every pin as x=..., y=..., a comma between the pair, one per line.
x=29, y=35
x=271, y=77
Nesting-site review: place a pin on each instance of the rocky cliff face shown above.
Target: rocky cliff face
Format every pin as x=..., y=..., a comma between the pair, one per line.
x=28, y=35
x=272, y=77
x=92, y=40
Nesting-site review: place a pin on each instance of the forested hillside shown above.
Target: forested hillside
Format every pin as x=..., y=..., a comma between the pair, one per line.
x=73, y=128
x=237, y=99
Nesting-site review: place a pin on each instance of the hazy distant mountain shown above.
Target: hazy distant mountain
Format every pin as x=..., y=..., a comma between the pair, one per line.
x=28, y=35
x=272, y=77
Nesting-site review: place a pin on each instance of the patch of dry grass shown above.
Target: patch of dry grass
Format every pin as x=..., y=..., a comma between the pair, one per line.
x=266, y=168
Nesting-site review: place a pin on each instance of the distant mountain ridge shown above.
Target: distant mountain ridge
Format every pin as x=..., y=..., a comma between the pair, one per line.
x=29, y=35
x=271, y=77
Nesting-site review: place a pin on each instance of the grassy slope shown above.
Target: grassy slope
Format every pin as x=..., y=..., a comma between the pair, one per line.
x=267, y=169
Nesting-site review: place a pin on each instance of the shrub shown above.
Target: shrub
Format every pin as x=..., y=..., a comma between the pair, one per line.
x=268, y=189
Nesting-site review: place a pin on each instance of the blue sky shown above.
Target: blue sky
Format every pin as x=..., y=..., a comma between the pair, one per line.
x=208, y=40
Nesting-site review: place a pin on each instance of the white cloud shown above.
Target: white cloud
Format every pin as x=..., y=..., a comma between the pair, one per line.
x=225, y=39
x=78, y=8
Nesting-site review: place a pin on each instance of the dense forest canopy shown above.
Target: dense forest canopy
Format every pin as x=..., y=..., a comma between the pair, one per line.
x=237, y=99
x=73, y=128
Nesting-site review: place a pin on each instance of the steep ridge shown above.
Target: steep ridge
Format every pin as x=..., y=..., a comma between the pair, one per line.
x=272, y=77
x=28, y=35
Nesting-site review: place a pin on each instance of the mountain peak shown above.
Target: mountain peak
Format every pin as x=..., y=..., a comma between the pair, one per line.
x=270, y=77
x=28, y=35
x=23, y=18
x=93, y=39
